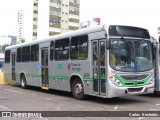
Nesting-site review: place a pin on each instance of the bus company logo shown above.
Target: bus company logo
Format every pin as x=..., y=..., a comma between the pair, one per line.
x=136, y=83
x=6, y=114
x=60, y=66
x=69, y=66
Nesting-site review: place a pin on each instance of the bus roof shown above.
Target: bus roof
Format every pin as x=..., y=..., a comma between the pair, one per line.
x=84, y=31
x=61, y=36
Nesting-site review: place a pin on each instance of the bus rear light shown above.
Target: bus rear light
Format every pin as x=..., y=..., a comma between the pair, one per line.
x=86, y=83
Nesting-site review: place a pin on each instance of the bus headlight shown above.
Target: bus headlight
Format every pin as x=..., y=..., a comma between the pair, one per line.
x=115, y=81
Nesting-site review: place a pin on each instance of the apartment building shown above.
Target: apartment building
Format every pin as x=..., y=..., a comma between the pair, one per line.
x=43, y=18
x=20, y=24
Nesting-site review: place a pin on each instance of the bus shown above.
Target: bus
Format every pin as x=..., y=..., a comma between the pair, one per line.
x=157, y=65
x=105, y=61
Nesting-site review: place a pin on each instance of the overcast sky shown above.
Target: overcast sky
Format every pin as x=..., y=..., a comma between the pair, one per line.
x=143, y=13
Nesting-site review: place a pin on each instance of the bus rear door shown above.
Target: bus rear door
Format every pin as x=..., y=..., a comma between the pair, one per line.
x=44, y=68
x=13, y=66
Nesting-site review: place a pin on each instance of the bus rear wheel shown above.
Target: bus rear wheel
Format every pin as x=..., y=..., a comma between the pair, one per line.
x=23, y=82
x=77, y=89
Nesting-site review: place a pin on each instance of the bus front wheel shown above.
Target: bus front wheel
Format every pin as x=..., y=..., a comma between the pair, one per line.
x=23, y=82
x=77, y=89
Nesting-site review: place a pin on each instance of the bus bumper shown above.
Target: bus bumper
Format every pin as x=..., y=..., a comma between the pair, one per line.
x=114, y=91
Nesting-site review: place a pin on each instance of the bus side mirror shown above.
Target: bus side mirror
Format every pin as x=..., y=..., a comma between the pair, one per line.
x=159, y=39
x=108, y=44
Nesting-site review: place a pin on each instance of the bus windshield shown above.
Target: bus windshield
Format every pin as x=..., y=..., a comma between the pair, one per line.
x=130, y=55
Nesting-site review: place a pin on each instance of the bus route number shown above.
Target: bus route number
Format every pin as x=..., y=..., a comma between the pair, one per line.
x=87, y=75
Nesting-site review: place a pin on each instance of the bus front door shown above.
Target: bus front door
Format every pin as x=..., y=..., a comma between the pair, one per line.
x=99, y=70
x=44, y=67
x=13, y=66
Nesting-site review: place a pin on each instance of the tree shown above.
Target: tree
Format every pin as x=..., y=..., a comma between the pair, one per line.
x=22, y=40
x=4, y=46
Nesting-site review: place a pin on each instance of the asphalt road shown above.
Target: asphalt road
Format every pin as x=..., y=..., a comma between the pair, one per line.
x=14, y=98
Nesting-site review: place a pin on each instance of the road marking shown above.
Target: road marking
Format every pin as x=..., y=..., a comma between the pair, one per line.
x=140, y=118
x=3, y=97
x=118, y=107
x=4, y=107
x=67, y=103
x=153, y=109
x=13, y=91
x=39, y=118
x=157, y=104
x=115, y=108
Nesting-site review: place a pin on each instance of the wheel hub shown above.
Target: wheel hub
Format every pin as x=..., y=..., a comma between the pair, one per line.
x=78, y=89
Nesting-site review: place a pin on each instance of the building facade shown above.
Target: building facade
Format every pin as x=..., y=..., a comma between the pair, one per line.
x=43, y=18
x=20, y=24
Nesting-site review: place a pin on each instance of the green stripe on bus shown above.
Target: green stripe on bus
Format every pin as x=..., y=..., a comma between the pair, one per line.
x=33, y=75
x=53, y=77
x=88, y=79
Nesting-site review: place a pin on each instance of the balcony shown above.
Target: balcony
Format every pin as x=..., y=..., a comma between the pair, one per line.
x=55, y=9
x=73, y=28
x=74, y=20
x=55, y=26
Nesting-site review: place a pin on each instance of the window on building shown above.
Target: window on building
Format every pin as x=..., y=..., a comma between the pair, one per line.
x=62, y=49
x=54, y=21
x=35, y=19
x=35, y=4
x=35, y=52
x=56, y=13
x=34, y=33
x=73, y=9
x=7, y=56
x=74, y=1
x=26, y=54
x=56, y=5
x=19, y=54
x=35, y=11
x=79, y=47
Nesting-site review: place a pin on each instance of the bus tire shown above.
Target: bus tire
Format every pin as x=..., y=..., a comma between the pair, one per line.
x=23, y=82
x=156, y=92
x=77, y=89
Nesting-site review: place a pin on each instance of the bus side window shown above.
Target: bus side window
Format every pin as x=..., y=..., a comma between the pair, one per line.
x=102, y=53
x=62, y=49
x=95, y=54
x=79, y=47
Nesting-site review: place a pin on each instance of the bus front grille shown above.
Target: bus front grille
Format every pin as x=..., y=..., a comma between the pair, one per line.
x=134, y=77
x=135, y=89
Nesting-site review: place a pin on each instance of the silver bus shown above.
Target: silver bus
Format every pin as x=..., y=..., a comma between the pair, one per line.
x=157, y=65
x=104, y=61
